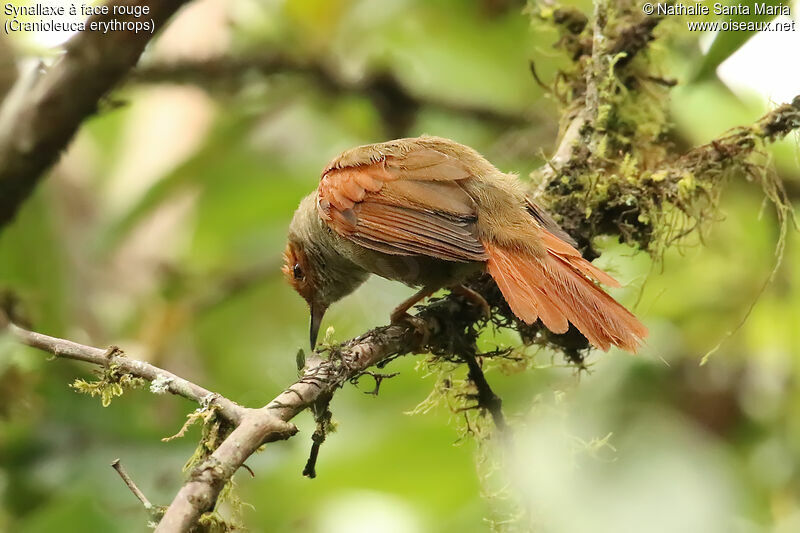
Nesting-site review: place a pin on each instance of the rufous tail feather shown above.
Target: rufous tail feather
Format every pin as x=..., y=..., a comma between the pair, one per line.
x=557, y=289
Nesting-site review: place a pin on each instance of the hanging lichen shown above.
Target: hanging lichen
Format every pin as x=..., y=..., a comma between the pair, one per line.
x=215, y=429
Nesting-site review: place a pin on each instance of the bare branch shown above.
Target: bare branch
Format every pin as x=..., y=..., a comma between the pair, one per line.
x=448, y=322
x=116, y=465
x=163, y=380
x=38, y=120
x=254, y=427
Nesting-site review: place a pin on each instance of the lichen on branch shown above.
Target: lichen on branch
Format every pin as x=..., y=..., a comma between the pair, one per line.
x=617, y=171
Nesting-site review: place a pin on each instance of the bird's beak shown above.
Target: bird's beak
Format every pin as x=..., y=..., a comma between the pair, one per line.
x=317, y=312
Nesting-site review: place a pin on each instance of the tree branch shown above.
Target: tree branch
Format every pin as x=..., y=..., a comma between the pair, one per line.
x=586, y=44
x=321, y=378
x=614, y=171
x=8, y=68
x=446, y=320
x=161, y=380
x=322, y=416
x=42, y=113
x=485, y=396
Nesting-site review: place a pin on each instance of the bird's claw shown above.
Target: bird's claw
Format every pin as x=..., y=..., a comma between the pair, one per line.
x=474, y=298
x=419, y=325
x=485, y=309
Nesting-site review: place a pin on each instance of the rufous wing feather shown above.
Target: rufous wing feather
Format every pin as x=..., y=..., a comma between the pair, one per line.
x=557, y=288
x=410, y=205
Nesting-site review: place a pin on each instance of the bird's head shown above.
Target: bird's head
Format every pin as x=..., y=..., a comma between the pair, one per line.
x=301, y=274
x=314, y=266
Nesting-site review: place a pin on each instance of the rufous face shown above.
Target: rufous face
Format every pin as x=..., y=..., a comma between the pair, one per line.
x=301, y=276
x=297, y=270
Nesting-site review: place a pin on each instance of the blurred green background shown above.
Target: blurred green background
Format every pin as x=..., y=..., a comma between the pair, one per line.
x=162, y=228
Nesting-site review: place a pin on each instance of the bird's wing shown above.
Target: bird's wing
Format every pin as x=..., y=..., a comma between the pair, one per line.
x=544, y=220
x=409, y=204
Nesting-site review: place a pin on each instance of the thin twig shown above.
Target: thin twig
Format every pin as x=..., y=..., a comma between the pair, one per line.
x=116, y=465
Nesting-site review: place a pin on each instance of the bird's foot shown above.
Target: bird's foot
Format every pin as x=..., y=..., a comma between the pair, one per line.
x=474, y=298
x=419, y=325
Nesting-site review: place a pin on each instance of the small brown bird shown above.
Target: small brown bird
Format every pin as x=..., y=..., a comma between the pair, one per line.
x=430, y=212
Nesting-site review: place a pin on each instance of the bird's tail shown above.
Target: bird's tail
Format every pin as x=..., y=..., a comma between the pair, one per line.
x=558, y=288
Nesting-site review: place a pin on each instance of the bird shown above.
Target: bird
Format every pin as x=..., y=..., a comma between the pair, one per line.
x=431, y=213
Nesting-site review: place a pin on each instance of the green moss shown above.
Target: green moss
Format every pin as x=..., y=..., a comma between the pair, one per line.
x=603, y=115
x=215, y=429
x=602, y=147
x=622, y=178
x=687, y=184
x=216, y=521
x=112, y=382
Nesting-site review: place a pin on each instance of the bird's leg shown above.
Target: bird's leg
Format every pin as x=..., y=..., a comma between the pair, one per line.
x=400, y=313
x=474, y=298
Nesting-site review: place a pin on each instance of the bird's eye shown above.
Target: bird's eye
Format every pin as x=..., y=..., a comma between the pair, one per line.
x=297, y=272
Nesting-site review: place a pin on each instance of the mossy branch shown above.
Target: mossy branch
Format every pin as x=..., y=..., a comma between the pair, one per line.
x=614, y=171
